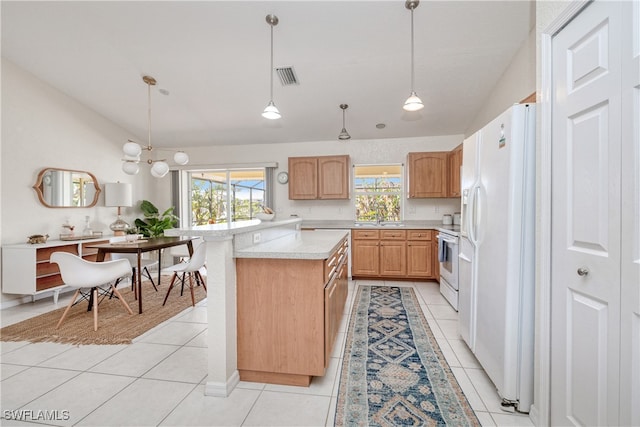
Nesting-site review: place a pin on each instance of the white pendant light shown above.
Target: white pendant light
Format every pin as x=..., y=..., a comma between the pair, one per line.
x=159, y=169
x=344, y=135
x=132, y=150
x=413, y=103
x=181, y=158
x=271, y=111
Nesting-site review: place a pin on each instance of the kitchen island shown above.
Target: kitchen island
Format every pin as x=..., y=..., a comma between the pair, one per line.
x=291, y=295
x=278, y=245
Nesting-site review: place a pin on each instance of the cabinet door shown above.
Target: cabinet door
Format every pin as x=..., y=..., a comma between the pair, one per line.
x=303, y=178
x=428, y=174
x=331, y=294
x=420, y=259
x=455, y=162
x=393, y=258
x=333, y=177
x=365, y=256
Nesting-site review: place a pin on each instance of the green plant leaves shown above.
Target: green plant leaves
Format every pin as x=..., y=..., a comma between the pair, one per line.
x=154, y=223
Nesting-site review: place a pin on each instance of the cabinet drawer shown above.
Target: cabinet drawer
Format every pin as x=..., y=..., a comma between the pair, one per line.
x=43, y=254
x=393, y=234
x=47, y=282
x=420, y=235
x=365, y=234
x=46, y=268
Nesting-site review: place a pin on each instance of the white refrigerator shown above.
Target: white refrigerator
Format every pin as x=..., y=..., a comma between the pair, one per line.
x=496, y=313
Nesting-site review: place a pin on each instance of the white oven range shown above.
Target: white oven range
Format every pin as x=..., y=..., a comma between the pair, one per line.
x=448, y=257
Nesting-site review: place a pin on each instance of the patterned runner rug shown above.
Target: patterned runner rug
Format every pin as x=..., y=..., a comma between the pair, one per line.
x=393, y=372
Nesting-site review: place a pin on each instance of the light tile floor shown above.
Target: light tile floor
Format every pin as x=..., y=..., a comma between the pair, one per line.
x=159, y=379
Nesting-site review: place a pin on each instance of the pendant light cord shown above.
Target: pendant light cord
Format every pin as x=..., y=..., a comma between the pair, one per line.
x=412, y=66
x=149, y=115
x=271, y=79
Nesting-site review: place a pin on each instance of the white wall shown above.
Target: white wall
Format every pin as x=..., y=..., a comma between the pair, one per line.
x=516, y=83
x=360, y=151
x=42, y=127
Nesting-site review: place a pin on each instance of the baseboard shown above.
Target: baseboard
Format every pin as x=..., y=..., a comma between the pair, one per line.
x=222, y=389
x=30, y=298
x=534, y=415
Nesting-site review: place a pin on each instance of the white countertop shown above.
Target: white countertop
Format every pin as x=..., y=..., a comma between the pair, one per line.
x=299, y=245
x=349, y=224
x=228, y=228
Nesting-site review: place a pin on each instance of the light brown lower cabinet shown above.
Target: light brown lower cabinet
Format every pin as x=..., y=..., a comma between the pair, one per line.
x=288, y=315
x=401, y=254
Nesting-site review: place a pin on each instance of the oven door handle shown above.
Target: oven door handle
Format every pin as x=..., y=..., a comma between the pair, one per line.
x=449, y=240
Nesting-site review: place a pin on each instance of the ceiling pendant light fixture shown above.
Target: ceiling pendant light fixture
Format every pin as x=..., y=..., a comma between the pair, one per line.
x=413, y=103
x=271, y=111
x=132, y=150
x=344, y=135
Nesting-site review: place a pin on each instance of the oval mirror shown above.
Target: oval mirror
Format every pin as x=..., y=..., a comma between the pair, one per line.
x=63, y=188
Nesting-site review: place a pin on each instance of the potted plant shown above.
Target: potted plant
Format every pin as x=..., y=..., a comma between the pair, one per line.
x=154, y=223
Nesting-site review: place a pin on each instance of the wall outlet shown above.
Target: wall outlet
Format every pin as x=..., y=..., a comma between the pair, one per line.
x=256, y=237
x=436, y=208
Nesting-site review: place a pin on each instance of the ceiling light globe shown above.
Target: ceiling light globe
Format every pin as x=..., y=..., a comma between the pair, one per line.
x=159, y=169
x=413, y=103
x=132, y=149
x=271, y=112
x=181, y=158
x=130, y=168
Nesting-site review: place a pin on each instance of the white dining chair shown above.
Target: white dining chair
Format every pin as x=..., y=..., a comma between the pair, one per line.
x=191, y=268
x=98, y=278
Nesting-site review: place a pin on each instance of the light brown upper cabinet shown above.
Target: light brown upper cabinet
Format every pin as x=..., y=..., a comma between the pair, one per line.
x=455, y=163
x=325, y=177
x=428, y=173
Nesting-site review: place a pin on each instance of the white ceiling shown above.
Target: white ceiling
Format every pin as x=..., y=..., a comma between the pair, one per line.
x=213, y=59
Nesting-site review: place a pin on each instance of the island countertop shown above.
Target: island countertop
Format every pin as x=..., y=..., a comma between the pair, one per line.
x=299, y=245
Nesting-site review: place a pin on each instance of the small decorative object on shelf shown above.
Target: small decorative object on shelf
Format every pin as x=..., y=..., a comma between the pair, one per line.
x=87, y=227
x=37, y=238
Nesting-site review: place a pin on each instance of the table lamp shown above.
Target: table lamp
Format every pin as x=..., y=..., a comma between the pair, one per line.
x=118, y=194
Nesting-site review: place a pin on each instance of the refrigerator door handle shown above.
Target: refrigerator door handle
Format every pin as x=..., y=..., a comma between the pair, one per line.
x=473, y=214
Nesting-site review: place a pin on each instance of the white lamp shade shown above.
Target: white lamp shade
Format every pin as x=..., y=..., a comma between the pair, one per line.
x=159, y=169
x=413, y=103
x=181, y=158
x=130, y=168
x=132, y=149
x=118, y=194
x=271, y=112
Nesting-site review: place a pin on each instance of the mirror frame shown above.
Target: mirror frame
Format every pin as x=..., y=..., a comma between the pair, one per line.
x=39, y=181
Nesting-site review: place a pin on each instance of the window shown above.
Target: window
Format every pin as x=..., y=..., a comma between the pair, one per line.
x=378, y=193
x=226, y=195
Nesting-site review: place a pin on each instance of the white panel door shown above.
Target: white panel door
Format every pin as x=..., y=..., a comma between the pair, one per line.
x=630, y=309
x=586, y=197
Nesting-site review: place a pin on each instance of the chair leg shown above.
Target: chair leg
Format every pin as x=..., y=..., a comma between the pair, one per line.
x=73, y=300
x=146, y=271
x=114, y=290
x=204, y=285
x=173, y=279
x=134, y=288
x=193, y=298
x=182, y=280
x=95, y=308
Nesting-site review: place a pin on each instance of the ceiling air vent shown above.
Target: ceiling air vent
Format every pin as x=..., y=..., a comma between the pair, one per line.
x=287, y=76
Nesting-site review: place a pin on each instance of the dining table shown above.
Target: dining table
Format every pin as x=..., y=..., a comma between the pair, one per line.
x=139, y=247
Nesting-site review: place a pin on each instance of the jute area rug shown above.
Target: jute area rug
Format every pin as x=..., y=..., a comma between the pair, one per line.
x=394, y=373
x=115, y=324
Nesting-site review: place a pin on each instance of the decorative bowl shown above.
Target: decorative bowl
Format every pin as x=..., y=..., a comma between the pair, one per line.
x=264, y=216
